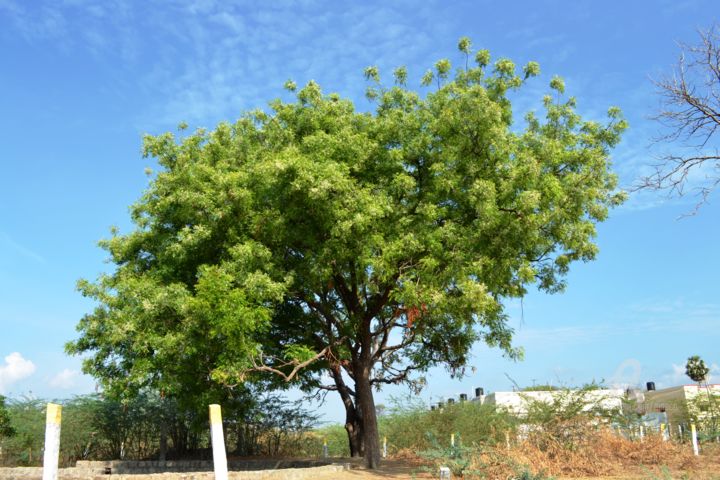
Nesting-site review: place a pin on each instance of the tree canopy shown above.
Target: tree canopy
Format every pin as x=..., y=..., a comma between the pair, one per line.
x=342, y=250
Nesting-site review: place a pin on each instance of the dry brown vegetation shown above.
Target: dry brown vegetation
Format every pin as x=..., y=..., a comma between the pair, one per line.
x=597, y=454
x=603, y=453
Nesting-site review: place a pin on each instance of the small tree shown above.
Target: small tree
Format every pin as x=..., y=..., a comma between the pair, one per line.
x=6, y=430
x=696, y=369
x=706, y=412
x=690, y=112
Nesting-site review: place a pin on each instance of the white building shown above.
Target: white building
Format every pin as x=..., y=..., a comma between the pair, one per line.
x=518, y=402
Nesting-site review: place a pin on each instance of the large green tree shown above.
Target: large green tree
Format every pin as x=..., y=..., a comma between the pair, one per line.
x=343, y=250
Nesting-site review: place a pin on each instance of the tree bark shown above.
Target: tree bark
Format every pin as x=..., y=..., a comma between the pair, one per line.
x=163, y=441
x=353, y=418
x=354, y=429
x=366, y=402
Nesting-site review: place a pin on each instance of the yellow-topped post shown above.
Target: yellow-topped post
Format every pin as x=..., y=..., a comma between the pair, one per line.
x=218, y=443
x=52, y=441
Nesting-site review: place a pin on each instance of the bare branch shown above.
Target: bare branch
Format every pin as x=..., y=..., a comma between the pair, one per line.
x=297, y=366
x=690, y=98
x=396, y=376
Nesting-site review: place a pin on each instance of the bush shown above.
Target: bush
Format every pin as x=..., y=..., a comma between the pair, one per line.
x=409, y=424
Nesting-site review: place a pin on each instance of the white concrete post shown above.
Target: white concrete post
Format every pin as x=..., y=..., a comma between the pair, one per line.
x=384, y=447
x=680, y=432
x=663, y=432
x=693, y=435
x=325, y=448
x=642, y=433
x=218, y=443
x=452, y=440
x=52, y=441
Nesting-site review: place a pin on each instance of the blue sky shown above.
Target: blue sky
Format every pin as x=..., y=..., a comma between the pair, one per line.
x=81, y=81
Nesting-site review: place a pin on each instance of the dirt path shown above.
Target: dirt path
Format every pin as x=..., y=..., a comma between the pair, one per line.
x=407, y=469
x=389, y=469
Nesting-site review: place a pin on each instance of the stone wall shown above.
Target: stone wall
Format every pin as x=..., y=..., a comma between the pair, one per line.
x=266, y=469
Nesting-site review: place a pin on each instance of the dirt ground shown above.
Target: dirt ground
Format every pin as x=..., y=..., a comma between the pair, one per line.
x=709, y=469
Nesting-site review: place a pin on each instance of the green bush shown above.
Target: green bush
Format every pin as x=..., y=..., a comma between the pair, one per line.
x=409, y=423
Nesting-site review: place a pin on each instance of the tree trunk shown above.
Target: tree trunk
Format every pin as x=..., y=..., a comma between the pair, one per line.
x=353, y=417
x=353, y=427
x=163, y=442
x=366, y=403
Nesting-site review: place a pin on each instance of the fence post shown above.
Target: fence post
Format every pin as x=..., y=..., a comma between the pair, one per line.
x=663, y=432
x=693, y=435
x=218, y=443
x=52, y=441
x=452, y=440
x=325, y=447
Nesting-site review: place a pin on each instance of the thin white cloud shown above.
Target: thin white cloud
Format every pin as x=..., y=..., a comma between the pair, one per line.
x=66, y=379
x=15, y=369
x=676, y=375
x=7, y=243
x=671, y=316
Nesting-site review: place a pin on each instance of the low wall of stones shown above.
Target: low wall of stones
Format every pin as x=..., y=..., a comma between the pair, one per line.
x=266, y=469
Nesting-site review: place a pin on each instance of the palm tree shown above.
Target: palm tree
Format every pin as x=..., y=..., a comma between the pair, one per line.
x=696, y=369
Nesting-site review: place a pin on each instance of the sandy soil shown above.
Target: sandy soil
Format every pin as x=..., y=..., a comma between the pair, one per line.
x=407, y=469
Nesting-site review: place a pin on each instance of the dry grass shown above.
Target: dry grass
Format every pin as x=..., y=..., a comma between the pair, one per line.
x=603, y=453
x=598, y=453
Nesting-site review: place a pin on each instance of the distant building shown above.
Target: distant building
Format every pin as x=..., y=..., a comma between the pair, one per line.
x=518, y=402
x=680, y=403
x=676, y=405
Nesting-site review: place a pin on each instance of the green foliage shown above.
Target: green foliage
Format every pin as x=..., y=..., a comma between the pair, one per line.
x=526, y=474
x=409, y=422
x=336, y=438
x=305, y=239
x=482, y=57
x=564, y=420
x=696, y=369
x=274, y=427
x=541, y=388
x=290, y=85
x=27, y=419
x=532, y=69
x=464, y=45
x=100, y=428
x=6, y=430
x=703, y=410
x=400, y=75
x=372, y=73
x=457, y=457
x=558, y=84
